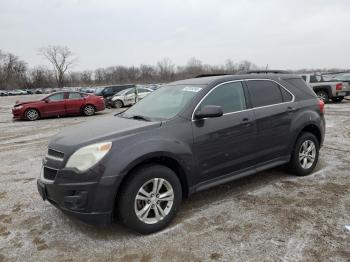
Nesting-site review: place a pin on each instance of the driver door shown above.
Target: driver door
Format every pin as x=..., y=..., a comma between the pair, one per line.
x=226, y=144
x=55, y=105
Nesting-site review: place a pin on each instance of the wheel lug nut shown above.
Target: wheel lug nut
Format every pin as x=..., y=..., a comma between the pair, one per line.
x=158, y=202
x=152, y=205
x=157, y=195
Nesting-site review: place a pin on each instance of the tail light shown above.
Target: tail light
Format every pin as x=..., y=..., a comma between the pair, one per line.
x=321, y=105
x=339, y=86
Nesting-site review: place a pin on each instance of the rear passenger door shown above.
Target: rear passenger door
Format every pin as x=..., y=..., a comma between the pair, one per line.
x=273, y=112
x=74, y=103
x=225, y=144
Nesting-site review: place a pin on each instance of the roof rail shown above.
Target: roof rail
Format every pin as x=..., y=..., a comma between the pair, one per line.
x=268, y=72
x=207, y=75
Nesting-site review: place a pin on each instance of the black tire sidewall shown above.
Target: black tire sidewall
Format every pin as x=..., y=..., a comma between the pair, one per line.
x=125, y=208
x=295, y=165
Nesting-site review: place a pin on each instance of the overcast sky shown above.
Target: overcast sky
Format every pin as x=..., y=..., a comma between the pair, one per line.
x=286, y=34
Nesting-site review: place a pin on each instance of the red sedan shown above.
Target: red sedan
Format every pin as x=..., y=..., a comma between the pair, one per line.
x=59, y=104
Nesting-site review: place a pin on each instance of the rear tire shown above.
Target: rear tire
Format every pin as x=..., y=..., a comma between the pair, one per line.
x=323, y=96
x=89, y=110
x=305, y=155
x=31, y=114
x=337, y=99
x=149, y=199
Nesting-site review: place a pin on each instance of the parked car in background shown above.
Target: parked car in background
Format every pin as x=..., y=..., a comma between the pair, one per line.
x=127, y=97
x=3, y=93
x=38, y=91
x=59, y=104
x=136, y=167
x=341, y=77
x=326, y=90
x=108, y=91
x=88, y=90
x=17, y=92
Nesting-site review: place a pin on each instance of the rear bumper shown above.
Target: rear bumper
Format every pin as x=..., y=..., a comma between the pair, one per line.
x=342, y=93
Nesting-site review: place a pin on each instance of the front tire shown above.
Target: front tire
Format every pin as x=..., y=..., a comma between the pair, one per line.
x=118, y=104
x=305, y=155
x=149, y=199
x=89, y=110
x=31, y=114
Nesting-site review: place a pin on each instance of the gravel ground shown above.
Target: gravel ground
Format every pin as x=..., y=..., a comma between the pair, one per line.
x=269, y=216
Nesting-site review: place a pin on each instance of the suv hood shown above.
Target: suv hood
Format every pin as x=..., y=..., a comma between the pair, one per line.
x=105, y=129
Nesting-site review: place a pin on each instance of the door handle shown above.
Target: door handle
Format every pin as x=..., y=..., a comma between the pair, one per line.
x=246, y=122
x=290, y=109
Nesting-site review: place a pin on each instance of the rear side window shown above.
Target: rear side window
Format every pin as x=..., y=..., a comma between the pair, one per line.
x=264, y=93
x=229, y=96
x=301, y=85
x=74, y=96
x=56, y=97
x=287, y=97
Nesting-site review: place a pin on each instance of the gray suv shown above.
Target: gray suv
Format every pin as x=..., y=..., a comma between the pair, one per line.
x=188, y=136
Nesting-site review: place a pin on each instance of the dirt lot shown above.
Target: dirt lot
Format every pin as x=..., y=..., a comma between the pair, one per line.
x=269, y=216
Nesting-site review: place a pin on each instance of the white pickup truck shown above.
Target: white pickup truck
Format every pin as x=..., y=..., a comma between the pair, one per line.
x=326, y=90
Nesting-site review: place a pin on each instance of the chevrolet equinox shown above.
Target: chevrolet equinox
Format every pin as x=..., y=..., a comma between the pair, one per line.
x=190, y=135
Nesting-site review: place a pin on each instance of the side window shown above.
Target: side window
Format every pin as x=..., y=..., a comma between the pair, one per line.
x=108, y=91
x=229, y=96
x=56, y=97
x=264, y=93
x=287, y=97
x=117, y=89
x=73, y=95
x=142, y=90
x=130, y=92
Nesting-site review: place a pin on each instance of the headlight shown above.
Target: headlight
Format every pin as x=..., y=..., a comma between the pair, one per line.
x=18, y=107
x=87, y=156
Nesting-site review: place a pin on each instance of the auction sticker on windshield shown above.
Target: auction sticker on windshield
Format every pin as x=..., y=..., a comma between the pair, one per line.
x=192, y=89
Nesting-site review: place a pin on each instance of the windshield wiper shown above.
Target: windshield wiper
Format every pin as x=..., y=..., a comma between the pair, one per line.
x=140, y=117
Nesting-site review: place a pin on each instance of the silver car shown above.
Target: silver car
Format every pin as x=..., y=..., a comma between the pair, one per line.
x=126, y=97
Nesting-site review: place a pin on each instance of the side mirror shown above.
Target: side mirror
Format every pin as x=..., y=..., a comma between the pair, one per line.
x=46, y=100
x=209, y=111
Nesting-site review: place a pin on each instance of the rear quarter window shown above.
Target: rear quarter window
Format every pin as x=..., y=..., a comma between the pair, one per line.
x=264, y=93
x=301, y=85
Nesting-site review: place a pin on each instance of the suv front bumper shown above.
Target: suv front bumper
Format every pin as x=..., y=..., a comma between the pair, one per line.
x=91, y=201
x=49, y=193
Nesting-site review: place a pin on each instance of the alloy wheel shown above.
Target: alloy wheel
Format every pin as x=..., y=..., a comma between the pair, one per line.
x=32, y=114
x=154, y=200
x=89, y=110
x=307, y=154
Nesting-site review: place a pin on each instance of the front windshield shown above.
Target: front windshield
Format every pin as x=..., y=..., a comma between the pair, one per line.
x=164, y=103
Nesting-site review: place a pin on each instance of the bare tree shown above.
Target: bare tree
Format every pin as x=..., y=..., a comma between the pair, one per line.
x=61, y=58
x=166, y=69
